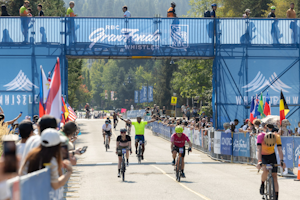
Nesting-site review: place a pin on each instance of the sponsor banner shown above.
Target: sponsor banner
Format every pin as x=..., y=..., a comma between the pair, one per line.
x=287, y=150
x=201, y=137
x=297, y=150
x=244, y=145
x=226, y=143
x=150, y=93
x=135, y=113
x=217, y=142
x=235, y=149
x=209, y=141
x=112, y=95
x=136, y=96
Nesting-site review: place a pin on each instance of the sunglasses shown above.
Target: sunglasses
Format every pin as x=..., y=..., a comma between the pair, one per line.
x=123, y=132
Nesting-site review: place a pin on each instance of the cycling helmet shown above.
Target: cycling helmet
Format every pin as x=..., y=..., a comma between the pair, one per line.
x=178, y=129
x=273, y=7
x=107, y=118
x=106, y=121
x=173, y=3
x=214, y=4
x=122, y=130
x=270, y=139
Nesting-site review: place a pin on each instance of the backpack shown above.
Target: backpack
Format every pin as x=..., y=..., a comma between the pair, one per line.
x=207, y=13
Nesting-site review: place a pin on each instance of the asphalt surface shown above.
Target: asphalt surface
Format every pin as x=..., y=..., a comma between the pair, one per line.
x=95, y=176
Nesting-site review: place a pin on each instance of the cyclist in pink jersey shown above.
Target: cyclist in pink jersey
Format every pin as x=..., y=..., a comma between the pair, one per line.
x=177, y=142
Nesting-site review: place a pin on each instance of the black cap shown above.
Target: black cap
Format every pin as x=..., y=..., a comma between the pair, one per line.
x=47, y=121
x=69, y=128
x=25, y=125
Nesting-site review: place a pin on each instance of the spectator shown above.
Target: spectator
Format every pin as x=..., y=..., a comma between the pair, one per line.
x=164, y=110
x=29, y=12
x=3, y=13
x=44, y=122
x=271, y=128
x=188, y=113
x=171, y=10
x=195, y=114
x=233, y=125
x=2, y=118
x=26, y=131
x=226, y=127
x=272, y=13
x=126, y=12
x=250, y=128
x=23, y=10
x=247, y=13
x=41, y=12
x=213, y=12
x=48, y=154
x=283, y=130
x=183, y=110
x=70, y=12
x=264, y=127
x=298, y=129
x=290, y=13
x=256, y=124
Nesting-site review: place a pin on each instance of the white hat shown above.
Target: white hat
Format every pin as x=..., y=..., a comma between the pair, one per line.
x=51, y=137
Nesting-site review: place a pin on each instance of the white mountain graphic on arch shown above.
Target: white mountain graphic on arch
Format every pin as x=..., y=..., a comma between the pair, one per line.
x=20, y=83
x=259, y=82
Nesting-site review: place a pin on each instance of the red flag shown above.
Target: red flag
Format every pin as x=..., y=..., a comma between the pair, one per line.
x=72, y=114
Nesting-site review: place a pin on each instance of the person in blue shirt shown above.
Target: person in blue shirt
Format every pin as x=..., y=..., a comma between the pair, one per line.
x=213, y=12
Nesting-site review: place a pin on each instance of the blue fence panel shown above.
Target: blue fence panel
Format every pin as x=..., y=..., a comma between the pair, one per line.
x=296, y=149
x=236, y=145
x=287, y=149
x=226, y=143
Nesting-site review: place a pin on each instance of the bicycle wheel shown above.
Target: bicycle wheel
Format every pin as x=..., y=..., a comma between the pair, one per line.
x=123, y=169
x=140, y=154
x=176, y=169
x=270, y=189
x=179, y=169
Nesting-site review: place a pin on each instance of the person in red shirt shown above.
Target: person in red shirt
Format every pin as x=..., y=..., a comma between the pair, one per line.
x=178, y=142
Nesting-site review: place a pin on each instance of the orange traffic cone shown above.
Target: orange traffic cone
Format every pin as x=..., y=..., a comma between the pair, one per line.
x=298, y=177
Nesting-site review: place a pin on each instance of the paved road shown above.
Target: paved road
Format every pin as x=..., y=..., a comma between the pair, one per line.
x=95, y=176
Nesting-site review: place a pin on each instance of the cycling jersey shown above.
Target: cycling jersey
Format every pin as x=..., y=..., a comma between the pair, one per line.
x=106, y=128
x=139, y=127
x=179, y=141
x=265, y=150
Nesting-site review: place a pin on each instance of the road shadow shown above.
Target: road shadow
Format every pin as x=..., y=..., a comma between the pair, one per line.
x=128, y=182
x=186, y=181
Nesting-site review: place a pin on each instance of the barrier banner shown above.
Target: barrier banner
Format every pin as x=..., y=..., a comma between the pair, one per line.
x=186, y=131
x=244, y=145
x=217, y=142
x=196, y=137
x=287, y=149
x=226, y=143
x=235, y=149
x=209, y=141
x=201, y=137
x=192, y=136
x=297, y=149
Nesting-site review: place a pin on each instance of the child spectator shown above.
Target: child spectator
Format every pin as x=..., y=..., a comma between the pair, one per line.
x=23, y=10
x=126, y=12
x=29, y=12
x=41, y=12
x=70, y=12
x=26, y=130
x=272, y=13
x=290, y=13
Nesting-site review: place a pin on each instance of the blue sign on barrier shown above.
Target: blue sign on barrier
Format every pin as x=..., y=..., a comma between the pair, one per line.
x=297, y=149
x=244, y=145
x=236, y=145
x=287, y=149
x=150, y=93
x=136, y=96
x=226, y=143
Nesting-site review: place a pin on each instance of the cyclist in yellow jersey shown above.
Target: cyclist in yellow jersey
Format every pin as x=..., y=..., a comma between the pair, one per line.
x=139, y=132
x=266, y=155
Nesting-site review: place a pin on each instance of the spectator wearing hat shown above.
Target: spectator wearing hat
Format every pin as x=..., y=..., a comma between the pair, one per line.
x=213, y=12
x=48, y=153
x=226, y=127
x=26, y=131
x=290, y=13
x=272, y=13
x=247, y=13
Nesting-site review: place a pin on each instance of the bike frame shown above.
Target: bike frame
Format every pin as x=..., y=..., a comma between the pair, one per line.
x=123, y=166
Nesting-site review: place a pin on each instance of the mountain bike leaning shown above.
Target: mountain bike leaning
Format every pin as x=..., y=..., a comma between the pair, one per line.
x=178, y=140
x=268, y=163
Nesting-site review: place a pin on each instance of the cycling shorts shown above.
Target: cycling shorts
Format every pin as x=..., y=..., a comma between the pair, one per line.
x=115, y=120
x=140, y=138
x=107, y=133
x=120, y=150
x=175, y=148
x=129, y=125
x=268, y=159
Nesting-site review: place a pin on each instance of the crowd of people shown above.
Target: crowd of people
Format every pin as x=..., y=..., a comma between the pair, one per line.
x=35, y=144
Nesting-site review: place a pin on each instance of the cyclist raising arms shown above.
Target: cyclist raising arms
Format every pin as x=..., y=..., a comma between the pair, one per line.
x=123, y=142
x=128, y=126
x=139, y=132
x=106, y=130
x=178, y=141
x=266, y=155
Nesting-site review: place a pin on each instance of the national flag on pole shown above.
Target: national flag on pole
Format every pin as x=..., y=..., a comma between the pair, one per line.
x=252, y=110
x=267, y=109
x=72, y=114
x=283, y=107
x=53, y=105
x=261, y=106
x=256, y=112
x=65, y=109
x=44, y=90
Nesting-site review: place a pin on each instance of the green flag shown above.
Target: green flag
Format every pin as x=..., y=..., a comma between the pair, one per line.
x=261, y=106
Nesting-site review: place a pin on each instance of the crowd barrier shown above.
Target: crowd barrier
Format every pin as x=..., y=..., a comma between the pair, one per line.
x=34, y=186
x=134, y=113
x=236, y=147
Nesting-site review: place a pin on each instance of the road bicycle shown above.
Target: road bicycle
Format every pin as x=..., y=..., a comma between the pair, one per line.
x=178, y=164
x=269, y=193
x=106, y=141
x=140, y=151
x=123, y=165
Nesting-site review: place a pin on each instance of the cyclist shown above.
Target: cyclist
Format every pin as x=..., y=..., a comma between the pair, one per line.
x=139, y=132
x=87, y=108
x=128, y=125
x=266, y=155
x=123, y=142
x=178, y=141
x=107, y=119
x=106, y=130
x=115, y=116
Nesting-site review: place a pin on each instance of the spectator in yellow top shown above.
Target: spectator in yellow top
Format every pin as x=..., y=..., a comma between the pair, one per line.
x=290, y=13
x=70, y=12
x=171, y=10
x=23, y=10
